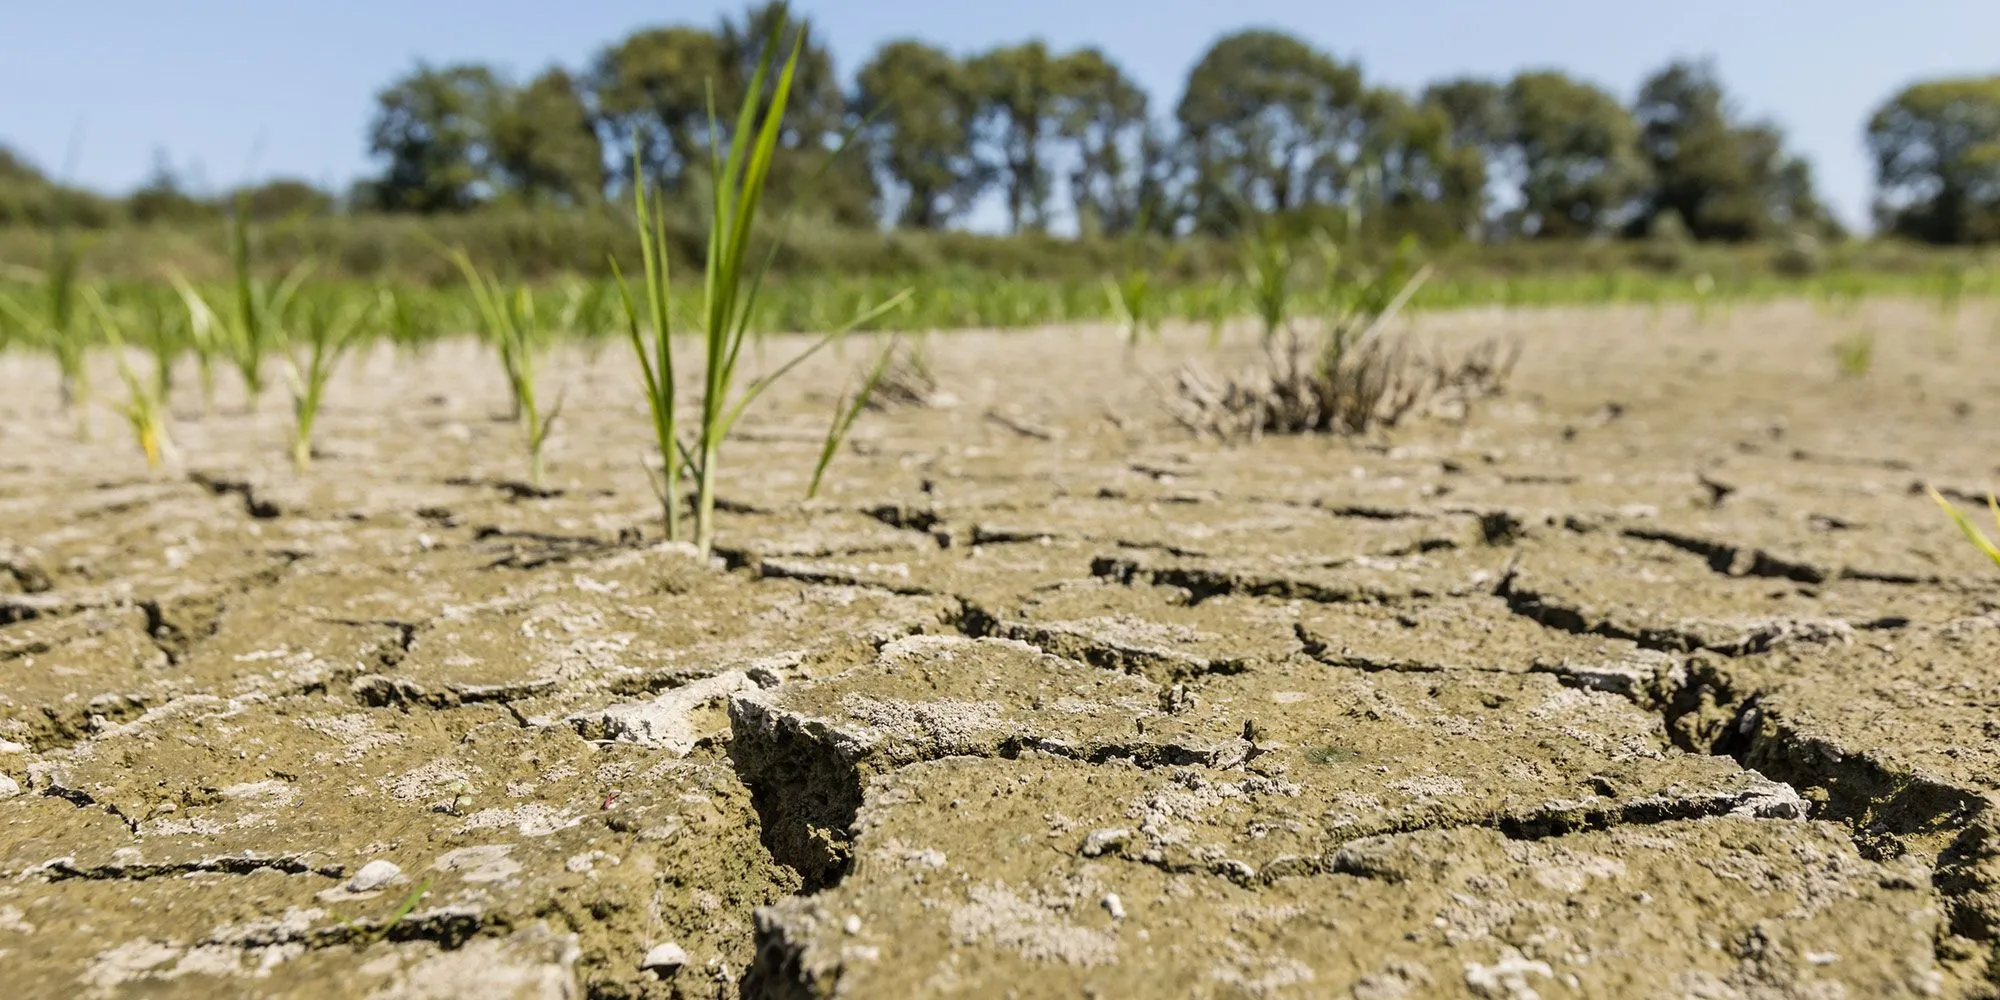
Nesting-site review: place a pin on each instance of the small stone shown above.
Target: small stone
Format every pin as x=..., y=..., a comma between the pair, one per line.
x=1101, y=842
x=664, y=959
x=9, y=746
x=9, y=787
x=852, y=925
x=1113, y=905
x=374, y=875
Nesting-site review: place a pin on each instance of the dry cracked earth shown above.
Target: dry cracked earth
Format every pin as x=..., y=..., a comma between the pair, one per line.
x=1653, y=677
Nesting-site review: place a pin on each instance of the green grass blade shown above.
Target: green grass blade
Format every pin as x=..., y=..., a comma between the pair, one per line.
x=1965, y=525
x=843, y=419
x=757, y=386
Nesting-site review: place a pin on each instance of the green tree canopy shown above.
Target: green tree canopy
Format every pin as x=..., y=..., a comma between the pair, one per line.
x=1937, y=160
x=1271, y=123
x=1725, y=180
x=545, y=146
x=432, y=128
x=652, y=92
x=1101, y=117
x=282, y=198
x=1578, y=153
x=1019, y=88
x=919, y=104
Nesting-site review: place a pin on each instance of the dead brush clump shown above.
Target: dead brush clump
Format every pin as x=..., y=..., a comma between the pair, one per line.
x=1304, y=388
x=1349, y=375
x=909, y=380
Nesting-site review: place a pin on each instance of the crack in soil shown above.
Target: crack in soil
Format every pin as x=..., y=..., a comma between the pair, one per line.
x=1071, y=642
x=1551, y=820
x=62, y=869
x=1763, y=637
x=83, y=800
x=1202, y=584
x=806, y=778
x=1733, y=560
x=259, y=508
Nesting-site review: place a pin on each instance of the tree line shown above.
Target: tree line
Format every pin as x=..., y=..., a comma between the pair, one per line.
x=1267, y=126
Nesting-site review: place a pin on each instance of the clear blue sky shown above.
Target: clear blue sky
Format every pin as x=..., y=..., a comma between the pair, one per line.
x=213, y=81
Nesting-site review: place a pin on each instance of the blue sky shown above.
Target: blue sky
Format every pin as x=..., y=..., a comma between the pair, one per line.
x=236, y=88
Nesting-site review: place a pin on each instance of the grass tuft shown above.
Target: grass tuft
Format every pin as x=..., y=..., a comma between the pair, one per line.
x=329, y=330
x=1855, y=354
x=514, y=328
x=731, y=283
x=145, y=406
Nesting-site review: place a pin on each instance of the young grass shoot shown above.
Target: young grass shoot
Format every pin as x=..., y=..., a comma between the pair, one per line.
x=845, y=412
x=739, y=169
x=1970, y=530
x=514, y=328
x=145, y=406
x=328, y=330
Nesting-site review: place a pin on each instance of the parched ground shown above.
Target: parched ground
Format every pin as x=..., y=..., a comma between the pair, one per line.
x=1654, y=677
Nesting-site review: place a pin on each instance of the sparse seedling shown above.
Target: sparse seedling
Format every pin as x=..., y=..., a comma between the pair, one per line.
x=144, y=407
x=1972, y=533
x=54, y=327
x=587, y=313
x=254, y=326
x=380, y=933
x=1217, y=306
x=845, y=411
x=409, y=325
x=515, y=331
x=164, y=332
x=1132, y=302
x=656, y=358
x=1267, y=270
x=328, y=330
x=909, y=381
x=204, y=335
x=729, y=289
x=1704, y=297
x=1855, y=353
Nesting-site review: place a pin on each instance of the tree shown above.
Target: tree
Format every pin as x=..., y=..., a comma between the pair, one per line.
x=1578, y=155
x=1162, y=197
x=432, y=127
x=1477, y=111
x=812, y=174
x=1724, y=180
x=1018, y=89
x=282, y=198
x=920, y=108
x=545, y=146
x=1416, y=178
x=1937, y=160
x=164, y=198
x=1271, y=123
x=1479, y=149
x=652, y=93
x=1101, y=112
x=30, y=197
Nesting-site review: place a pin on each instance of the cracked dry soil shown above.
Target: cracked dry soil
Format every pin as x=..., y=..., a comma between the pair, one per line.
x=1652, y=678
